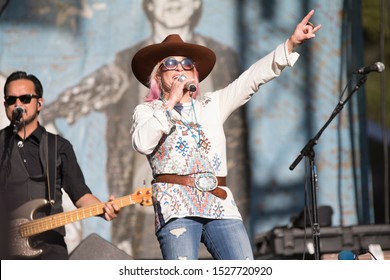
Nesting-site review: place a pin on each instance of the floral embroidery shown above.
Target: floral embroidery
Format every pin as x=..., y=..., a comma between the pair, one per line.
x=204, y=100
x=204, y=143
x=216, y=161
x=182, y=146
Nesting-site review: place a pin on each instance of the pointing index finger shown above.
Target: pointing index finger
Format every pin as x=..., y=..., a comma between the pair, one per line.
x=306, y=19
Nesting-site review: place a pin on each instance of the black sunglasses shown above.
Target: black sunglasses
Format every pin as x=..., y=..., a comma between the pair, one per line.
x=171, y=63
x=25, y=99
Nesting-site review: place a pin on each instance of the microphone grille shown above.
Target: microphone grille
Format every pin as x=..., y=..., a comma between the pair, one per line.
x=182, y=78
x=380, y=66
x=19, y=110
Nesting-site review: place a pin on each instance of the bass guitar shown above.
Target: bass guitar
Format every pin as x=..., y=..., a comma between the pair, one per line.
x=23, y=225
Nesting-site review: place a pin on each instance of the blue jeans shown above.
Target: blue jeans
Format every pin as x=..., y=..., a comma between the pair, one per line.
x=224, y=239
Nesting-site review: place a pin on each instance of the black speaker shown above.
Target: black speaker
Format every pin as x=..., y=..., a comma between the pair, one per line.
x=94, y=247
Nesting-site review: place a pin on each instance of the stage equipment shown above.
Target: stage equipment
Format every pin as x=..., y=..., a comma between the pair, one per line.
x=295, y=243
x=308, y=152
x=94, y=247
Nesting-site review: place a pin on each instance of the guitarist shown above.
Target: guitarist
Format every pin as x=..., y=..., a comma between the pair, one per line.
x=24, y=165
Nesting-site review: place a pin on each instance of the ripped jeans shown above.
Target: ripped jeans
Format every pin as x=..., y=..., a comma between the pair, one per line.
x=224, y=239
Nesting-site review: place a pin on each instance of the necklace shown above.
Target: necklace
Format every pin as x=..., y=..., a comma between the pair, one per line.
x=190, y=127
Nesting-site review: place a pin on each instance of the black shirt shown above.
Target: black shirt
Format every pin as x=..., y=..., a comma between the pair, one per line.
x=29, y=151
x=69, y=172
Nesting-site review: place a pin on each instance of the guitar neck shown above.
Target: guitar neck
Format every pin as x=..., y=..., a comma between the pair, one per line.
x=51, y=222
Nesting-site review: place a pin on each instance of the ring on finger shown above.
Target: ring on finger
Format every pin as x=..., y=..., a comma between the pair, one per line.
x=309, y=23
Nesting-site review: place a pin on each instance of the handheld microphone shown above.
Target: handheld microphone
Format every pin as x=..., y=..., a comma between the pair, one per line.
x=17, y=113
x=191, y=87
x=376, y=67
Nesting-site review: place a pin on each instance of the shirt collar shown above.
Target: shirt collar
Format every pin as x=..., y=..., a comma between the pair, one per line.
x=35, y=136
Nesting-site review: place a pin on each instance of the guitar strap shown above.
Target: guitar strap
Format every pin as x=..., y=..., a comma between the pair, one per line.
x=51, y=166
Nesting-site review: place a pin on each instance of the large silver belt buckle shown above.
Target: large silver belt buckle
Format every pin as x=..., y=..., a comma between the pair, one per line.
x=205, y=182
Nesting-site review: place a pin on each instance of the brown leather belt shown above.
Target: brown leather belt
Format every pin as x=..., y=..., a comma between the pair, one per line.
x=190, y=181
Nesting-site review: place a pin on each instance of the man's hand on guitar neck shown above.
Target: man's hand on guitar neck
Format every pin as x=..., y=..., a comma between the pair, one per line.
x=110, y=208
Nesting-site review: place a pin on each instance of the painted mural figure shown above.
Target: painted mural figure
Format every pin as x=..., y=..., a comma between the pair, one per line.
x=114, y=90
x=181, y=134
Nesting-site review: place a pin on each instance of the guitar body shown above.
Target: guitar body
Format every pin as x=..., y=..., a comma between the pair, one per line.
x=20, y=246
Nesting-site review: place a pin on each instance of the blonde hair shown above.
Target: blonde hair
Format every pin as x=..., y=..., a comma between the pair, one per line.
x=155, y=90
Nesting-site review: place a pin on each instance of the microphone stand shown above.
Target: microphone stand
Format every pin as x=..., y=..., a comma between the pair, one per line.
x=16, y=123
x=15, y=126
x=308, y=152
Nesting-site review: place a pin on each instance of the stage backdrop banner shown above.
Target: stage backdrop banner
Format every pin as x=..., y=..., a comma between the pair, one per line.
x=82, y=50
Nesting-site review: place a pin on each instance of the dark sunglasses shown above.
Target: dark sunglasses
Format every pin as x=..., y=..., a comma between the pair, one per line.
x=171, y=63
x=25, y=99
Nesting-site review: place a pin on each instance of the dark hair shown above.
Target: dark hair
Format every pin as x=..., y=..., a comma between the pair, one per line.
x=21, y=75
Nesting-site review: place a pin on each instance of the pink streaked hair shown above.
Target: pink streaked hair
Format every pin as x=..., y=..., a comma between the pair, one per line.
x=155, y=90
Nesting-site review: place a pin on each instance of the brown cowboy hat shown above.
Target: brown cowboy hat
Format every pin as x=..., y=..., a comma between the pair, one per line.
x=146, y=58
